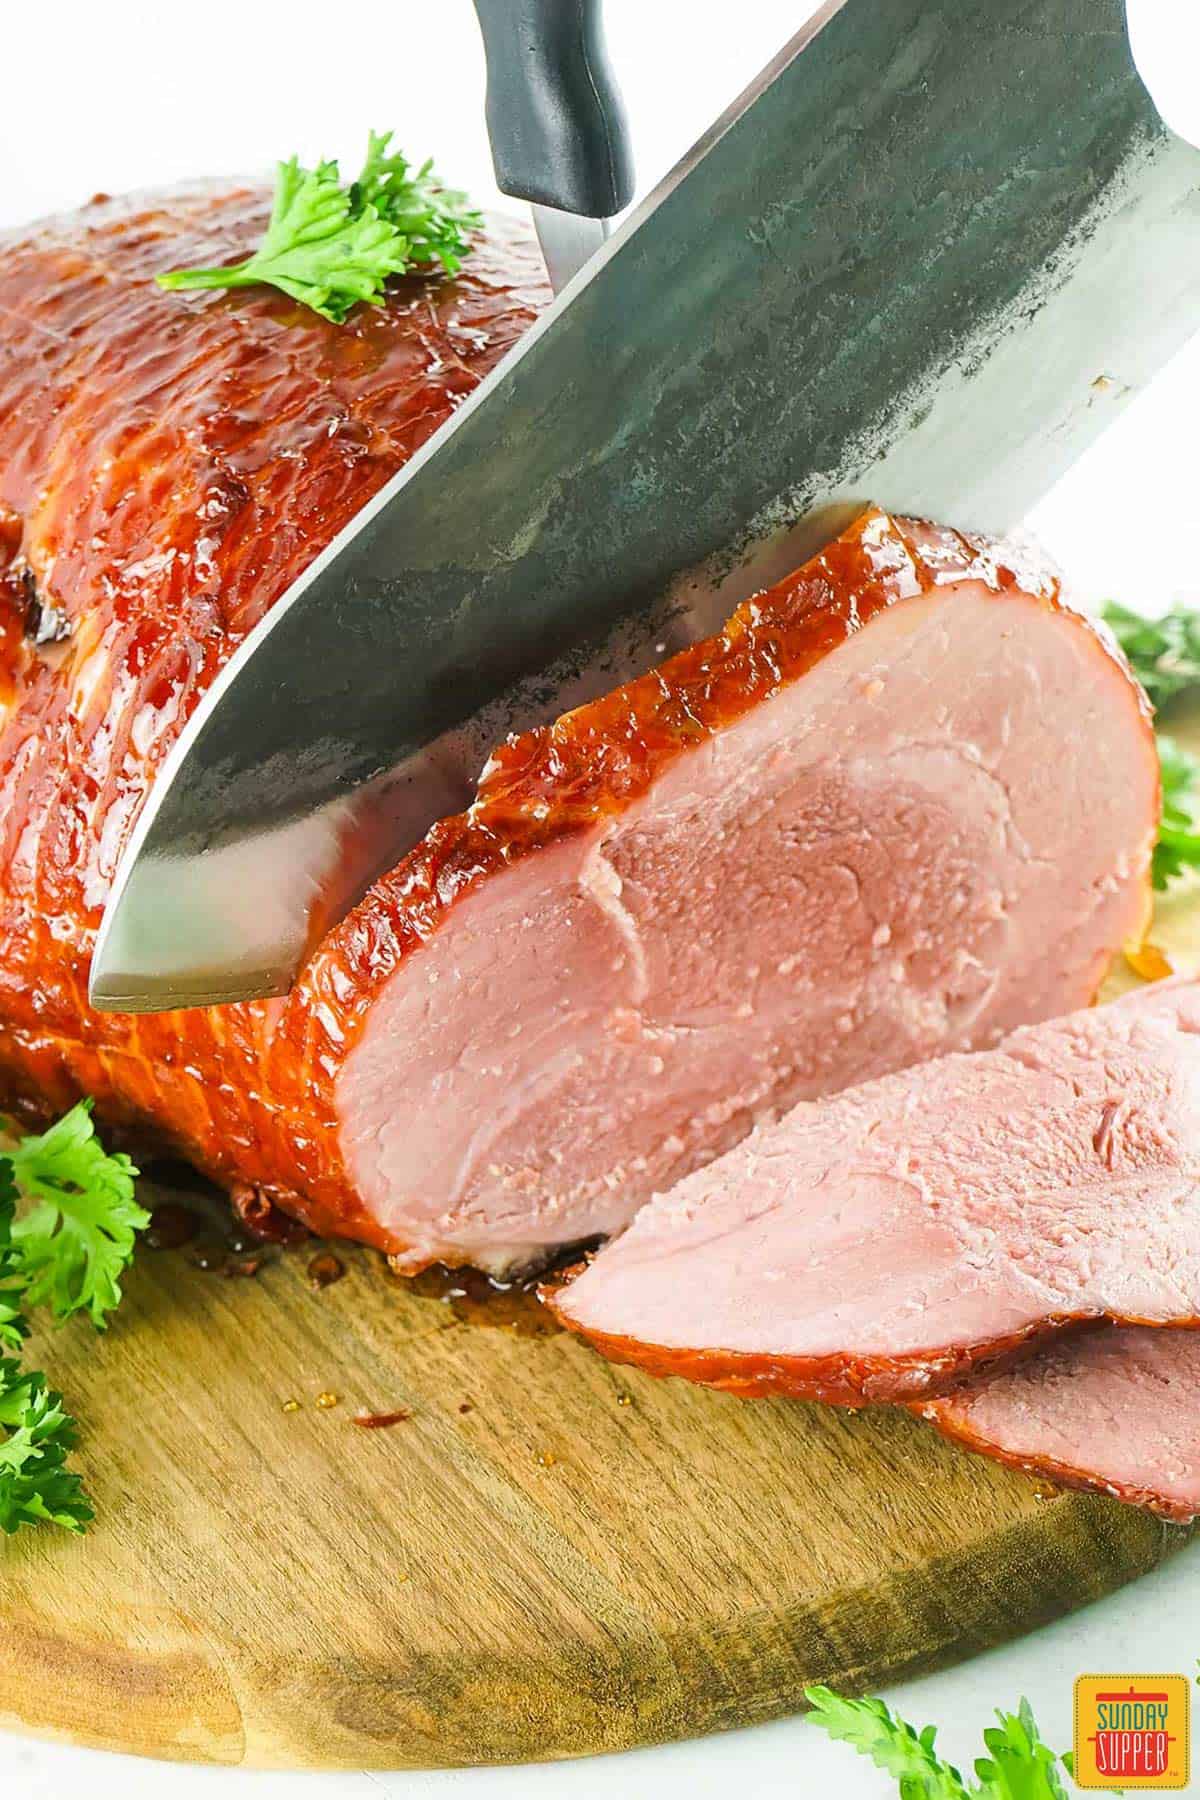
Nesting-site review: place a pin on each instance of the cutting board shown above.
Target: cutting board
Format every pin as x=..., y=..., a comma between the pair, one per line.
x=545, y=1557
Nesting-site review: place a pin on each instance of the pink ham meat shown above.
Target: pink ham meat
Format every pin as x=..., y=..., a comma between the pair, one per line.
x=877, y=1245
x=903, y=803
x=1118, y=1411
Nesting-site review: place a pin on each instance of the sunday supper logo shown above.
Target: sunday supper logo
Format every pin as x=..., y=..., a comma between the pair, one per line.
x=1132, y=1731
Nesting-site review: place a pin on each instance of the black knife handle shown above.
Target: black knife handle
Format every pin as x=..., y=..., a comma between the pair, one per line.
x=554, y=114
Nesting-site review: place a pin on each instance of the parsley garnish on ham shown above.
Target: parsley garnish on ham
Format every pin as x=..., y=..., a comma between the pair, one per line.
x=330, y=245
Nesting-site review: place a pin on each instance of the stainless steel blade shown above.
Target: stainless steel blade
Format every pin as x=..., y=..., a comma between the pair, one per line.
x=923, y=261
x=568, y=240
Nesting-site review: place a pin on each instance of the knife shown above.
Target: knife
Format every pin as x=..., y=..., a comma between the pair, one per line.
x=556, y=123
x=924, y=260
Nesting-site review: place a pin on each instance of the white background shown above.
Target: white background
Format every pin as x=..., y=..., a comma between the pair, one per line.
x=124, y=95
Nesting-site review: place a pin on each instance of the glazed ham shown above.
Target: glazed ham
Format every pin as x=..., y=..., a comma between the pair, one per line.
x=877, y=1245
x=1112, y=1410
x=902, y=804
x=168, y=466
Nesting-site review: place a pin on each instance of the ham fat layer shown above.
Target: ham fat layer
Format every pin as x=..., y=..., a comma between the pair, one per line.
x=878, y=1245
x=902, y=804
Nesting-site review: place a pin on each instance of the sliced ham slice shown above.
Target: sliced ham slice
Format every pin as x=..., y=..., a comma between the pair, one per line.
x=1118, y=1411
x=877, y=1245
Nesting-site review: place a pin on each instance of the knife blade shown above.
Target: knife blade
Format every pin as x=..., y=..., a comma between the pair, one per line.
x=569, y=241
x=923, y=260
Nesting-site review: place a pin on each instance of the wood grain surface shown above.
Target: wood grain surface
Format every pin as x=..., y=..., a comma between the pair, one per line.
x=547, y=1557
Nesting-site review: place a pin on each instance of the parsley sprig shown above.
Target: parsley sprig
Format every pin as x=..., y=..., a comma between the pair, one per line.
x=12, y=1284
x=1164, y=654
x=331, y=245
x=68, y=1225
x=1178, y=846
x=893, y=1745
x=35, y=1488
x=1018, y=1766
x=77, y=1234
x=435, y=220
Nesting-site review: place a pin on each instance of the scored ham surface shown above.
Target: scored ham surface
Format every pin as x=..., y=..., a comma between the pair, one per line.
x=1114, y=1410
x=903, y=803
x=168, y=466
x=876, y=1245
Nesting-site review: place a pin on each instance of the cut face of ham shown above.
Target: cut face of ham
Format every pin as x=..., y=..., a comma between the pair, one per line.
x=902, y=804
x=1112, y=1410
x=876, y=1245
x=821, y=847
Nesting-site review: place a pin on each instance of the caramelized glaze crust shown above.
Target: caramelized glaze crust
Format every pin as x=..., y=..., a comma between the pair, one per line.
x=840, y=1380
x=169, y=464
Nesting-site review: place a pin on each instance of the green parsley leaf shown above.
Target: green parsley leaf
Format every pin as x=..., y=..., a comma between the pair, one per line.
x=74, y=1240
x=1020, y=1766
x=893, y=1745
x=67, y=1251
x=330, y=246
x=35, y=1435
x=435, y=220
x=12, y=1282
x=1163, y=653
x=1178, y=846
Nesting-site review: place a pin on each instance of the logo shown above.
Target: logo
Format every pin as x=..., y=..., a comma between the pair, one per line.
x=1131, y=1731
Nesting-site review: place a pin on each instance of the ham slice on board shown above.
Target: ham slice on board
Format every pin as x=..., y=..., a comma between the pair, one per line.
x=1112, y=1410
x=881, y=1244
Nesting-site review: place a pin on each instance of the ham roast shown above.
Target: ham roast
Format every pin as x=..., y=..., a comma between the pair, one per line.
x=904, y=803
x=1113, y=1410
x=877, y=1245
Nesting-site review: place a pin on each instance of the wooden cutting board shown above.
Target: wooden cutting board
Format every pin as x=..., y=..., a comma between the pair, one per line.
x=547, y=1557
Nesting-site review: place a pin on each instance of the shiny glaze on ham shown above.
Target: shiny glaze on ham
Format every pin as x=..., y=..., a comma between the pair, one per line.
x=169, y=464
